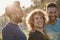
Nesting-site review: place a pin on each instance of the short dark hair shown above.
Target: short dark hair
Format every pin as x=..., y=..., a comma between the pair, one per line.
x=51, y=5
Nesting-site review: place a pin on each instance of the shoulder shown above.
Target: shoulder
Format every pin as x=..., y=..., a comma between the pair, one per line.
x=7, y=28
x=33, y=36
x=58, y=19
x=46, y=26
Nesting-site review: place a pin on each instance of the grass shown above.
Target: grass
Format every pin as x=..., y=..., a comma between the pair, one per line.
x=0, y=36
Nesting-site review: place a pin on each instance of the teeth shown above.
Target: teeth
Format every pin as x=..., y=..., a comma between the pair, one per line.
x=40, y=23
x=52, y=17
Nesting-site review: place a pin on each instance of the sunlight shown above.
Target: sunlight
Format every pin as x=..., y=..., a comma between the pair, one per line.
x=4, y=3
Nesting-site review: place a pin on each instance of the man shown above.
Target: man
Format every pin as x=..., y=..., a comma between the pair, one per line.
x=53, y=27
x=11, y=30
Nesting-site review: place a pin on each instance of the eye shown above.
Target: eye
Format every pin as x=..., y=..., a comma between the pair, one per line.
x=36, y=18
x=55, y=12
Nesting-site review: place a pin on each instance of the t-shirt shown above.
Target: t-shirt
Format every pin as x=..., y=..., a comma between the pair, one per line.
x=12, y=32
x=53, y=30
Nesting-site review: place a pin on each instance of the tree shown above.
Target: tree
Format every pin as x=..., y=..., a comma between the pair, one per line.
x=58, y=4
x=40, y=4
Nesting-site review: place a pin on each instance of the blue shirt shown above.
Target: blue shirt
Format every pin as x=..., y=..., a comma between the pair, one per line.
x=53, y=31
x=12, y=32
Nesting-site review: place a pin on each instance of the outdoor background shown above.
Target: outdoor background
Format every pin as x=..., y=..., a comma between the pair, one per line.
x=41, y=4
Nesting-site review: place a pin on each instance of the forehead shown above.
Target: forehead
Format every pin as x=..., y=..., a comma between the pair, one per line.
x=37, y=15
x=52, y=9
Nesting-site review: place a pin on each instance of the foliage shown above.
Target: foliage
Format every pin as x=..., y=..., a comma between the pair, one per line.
x=40, y=3
x=58, y=4
x=0, y=36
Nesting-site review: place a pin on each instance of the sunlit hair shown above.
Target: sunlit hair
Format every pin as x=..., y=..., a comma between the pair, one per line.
x=29, y=18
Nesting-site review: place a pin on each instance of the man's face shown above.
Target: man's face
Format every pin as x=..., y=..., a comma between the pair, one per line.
x=19, y=14
x=52, y=13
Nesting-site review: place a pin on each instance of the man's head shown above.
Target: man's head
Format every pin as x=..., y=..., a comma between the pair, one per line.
x=52, y=11
x=16, y=3
x=14, y=13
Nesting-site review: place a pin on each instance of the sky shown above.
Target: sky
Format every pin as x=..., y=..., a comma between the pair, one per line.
x=4, y=3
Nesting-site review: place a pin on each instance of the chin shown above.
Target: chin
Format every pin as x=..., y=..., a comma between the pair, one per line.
x=39, y=27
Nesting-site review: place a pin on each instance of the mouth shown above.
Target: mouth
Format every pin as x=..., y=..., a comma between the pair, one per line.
x=53, y=17
x=39, y=23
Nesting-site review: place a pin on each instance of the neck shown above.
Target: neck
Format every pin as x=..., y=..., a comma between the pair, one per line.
x=52, y=22
x=13, y=21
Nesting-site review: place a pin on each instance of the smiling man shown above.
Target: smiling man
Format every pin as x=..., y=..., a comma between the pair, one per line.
x=53, y=26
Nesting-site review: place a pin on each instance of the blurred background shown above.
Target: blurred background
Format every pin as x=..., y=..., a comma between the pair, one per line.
x=27, y=6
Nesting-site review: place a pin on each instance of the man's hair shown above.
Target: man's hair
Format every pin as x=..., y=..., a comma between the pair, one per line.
x=51, y=5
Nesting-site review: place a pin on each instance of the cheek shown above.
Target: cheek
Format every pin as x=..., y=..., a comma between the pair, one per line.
x=50, y=14
x=17, y=17
x=35, y=21
x=43, y=21
x=55, y=14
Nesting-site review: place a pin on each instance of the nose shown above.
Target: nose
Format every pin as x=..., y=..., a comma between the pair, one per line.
x=53, y=14
x=39, y=20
